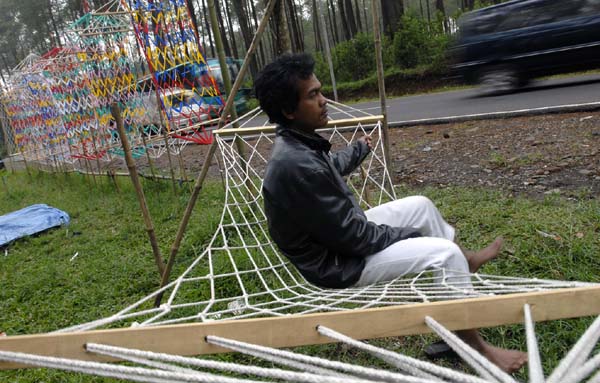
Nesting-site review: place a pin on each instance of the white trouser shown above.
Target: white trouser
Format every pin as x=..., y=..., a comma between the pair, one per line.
x=435, y=249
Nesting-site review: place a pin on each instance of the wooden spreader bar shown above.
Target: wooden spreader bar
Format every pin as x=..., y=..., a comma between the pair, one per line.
x=297, y=330
x=271, y=128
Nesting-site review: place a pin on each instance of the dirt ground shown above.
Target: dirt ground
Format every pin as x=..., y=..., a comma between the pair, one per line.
x=554, y=153
x=537, y=155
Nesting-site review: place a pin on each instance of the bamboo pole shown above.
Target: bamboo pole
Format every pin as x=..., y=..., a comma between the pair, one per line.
x=150, y=163
x=227, y=81
x=165, y=136
x=108, y=13
x=238, y=81
x=111, y=173
x=38, y=160
x=86, y=160
x=183, y=173
x=211, y=152
x=381, y=84
x=97, y=154
x=186, y=218
x=108, y=31
x=116, y=112
x=221, y=54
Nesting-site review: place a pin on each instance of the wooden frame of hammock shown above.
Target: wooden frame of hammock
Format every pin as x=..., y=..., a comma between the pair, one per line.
x=297, y=330
x=366, y=120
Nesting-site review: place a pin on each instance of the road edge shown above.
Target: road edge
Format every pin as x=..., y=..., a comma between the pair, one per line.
x=586, y=107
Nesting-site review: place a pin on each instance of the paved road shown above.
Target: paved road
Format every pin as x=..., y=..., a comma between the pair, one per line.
x=547, y=94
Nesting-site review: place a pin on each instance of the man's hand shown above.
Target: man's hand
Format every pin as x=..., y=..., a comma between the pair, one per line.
x=367, y=140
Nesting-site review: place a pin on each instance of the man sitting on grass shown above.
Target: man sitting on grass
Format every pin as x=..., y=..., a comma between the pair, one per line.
x=317, y=223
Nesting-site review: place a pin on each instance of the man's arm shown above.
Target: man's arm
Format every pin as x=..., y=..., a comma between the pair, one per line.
x=348, y=159
x=330, y=218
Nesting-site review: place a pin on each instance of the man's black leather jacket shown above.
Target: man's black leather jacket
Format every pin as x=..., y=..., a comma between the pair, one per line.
x=313, y=216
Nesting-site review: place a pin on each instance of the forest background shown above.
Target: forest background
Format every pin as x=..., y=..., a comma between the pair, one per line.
x=416, y=36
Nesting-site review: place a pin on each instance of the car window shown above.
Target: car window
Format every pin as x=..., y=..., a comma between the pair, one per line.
x=590, y=7
x=479, y=23
x=560, y=10
x=542, y=12
x=518, y=18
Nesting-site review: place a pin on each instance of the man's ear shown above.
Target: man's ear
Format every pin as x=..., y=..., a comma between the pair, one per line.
x=288, y=115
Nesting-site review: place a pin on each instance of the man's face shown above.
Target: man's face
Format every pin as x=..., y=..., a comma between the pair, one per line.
x=311, y=111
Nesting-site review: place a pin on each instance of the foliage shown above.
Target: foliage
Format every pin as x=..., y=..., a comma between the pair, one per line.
x=44, y=287
x=352, y=60
x=417, y=42
x=398, y=81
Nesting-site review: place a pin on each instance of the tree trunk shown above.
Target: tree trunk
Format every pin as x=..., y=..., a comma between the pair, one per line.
x=261, y=56
x=210, y=37
x=192, y=10
x=350, y=17
x=294, y=27
x=290, y=14
x=345, y=27
x=231, y=32
x=316, y=26
x=365, y=16
x=53, y=22
x=392, y=11
x=240, y=11
x=333, y=21
x=6, y=65
x=2, y=75
x=439, y=6
x=282, y=34
x=226, y=46
x=359, y=26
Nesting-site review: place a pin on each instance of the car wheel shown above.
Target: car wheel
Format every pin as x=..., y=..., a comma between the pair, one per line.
x=498, y=80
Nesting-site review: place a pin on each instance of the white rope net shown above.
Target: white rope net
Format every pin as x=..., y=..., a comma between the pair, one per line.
x=241, y=274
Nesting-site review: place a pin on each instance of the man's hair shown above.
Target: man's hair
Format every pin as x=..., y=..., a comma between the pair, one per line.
x=276, y=86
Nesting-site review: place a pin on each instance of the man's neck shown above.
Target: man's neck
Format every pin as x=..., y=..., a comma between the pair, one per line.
x=303, y=129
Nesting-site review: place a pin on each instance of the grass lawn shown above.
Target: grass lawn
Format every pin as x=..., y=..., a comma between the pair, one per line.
x=44, y=286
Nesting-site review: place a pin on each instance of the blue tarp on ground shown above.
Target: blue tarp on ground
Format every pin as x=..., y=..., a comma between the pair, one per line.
x=30, y=220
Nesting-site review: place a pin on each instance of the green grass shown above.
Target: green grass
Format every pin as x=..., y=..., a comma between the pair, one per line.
x=42, y=288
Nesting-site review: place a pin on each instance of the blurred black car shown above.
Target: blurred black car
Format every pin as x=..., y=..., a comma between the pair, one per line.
x=503, y=46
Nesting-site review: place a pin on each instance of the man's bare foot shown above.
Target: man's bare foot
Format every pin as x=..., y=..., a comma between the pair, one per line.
x=477, y=258
x=508, y=360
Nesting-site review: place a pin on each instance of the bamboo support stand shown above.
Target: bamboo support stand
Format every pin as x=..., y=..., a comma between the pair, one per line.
x=116, y=112
x=209, y=156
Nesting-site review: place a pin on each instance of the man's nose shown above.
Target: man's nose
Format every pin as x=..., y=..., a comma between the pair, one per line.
x=323, y=100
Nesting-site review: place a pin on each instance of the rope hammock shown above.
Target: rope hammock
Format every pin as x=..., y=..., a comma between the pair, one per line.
x=241, y=273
